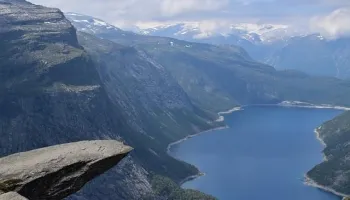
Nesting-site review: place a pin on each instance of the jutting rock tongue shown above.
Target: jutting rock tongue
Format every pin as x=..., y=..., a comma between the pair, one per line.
x=12, y=196
x=56, y=172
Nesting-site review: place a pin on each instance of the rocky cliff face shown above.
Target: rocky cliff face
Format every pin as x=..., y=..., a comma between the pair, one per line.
x=50, y=90
x=151, y=101
x=53, y=92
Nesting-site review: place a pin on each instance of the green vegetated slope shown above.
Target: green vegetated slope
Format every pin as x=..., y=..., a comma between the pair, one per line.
x=334, y=173
x=167, y=188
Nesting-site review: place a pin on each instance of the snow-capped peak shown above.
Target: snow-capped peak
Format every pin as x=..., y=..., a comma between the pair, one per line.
x=199, y=30
x=89, y=24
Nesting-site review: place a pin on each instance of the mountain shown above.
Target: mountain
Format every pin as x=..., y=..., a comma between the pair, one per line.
x=333, y=173
x=315, y=55
x=226, y=76
x=196, y=31
x=254, y=33
x=57, y=89
x=51, y=92
x=90, y=24
x=281, y=46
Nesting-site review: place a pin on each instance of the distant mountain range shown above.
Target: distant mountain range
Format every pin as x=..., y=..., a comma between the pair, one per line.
x=231, y=33
x=278, y=45
x=207, y=72
x=281, y=46
x=255, y=33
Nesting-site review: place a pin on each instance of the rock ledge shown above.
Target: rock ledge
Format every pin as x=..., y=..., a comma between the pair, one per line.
x=56, y=172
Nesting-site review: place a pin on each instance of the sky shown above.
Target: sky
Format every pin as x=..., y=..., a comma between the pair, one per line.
x=329, y=17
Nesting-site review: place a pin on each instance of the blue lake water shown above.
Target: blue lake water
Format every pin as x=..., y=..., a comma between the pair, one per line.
x=262, y=156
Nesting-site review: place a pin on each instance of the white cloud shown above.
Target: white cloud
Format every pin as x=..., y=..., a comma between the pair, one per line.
x=210, y=27
x=135, y=9
x=334, y=25
x=174, y=7
x=127, y=13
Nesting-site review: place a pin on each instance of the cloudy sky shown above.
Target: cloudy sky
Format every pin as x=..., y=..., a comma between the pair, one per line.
x=331, y=17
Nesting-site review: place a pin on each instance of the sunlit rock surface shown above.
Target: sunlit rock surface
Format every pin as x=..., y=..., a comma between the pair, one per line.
x=56, y=172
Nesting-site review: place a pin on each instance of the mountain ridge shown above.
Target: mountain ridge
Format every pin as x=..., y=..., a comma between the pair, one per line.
x=261, y=82
x=53, y=91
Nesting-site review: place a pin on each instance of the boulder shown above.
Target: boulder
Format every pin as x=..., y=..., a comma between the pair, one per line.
x=56, y=172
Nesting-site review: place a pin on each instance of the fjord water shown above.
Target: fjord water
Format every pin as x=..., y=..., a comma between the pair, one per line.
x=262, y=156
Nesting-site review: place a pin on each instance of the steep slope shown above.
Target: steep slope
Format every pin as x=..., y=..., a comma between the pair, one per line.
x=334, y=173
x=53, y=92
x=315, y=55
x=219, y=77
x=151, y=99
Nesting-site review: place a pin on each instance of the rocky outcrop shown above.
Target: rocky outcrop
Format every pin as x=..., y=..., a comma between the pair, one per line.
x=12, y=196
x=56, y=172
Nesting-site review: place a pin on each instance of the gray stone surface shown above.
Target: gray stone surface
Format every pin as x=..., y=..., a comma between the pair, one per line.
x=56, y=172
x=12, y=196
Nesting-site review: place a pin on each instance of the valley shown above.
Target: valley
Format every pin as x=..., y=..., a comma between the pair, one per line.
x=68, y=77
x=265, y=149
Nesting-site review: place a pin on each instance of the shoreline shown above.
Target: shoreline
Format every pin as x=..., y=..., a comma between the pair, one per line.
x=191, y=136
x=310, y=182
x=220, y=119
x=286, y=104
x=322, y=142
x=318, y=136
x=190, y=178
x=199, y=174
x=237, y=108
x=299, y=104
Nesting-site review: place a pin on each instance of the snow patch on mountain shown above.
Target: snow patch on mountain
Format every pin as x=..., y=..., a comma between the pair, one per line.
x=265, y=33
x=90, y=24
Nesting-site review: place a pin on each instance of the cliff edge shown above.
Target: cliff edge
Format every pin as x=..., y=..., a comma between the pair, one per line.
x=56, y=172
